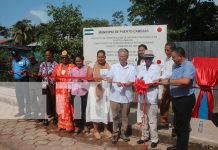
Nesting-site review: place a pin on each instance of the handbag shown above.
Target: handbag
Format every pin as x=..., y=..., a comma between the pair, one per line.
x=99, y=91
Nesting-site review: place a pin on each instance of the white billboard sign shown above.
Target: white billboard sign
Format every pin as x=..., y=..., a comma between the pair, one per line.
x=111, y=39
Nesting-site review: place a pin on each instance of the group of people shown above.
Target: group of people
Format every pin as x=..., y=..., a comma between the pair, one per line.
x=104, y=92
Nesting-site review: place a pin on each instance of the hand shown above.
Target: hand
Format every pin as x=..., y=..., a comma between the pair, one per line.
x=119, y=84
x=24, y=73
x=124, y=84
x=56, y=79
x=157, y=81
x=109, y=80
x=80, y=80
x=10, y=72
x=39, y=75
x=164, y=81
x=34, y=75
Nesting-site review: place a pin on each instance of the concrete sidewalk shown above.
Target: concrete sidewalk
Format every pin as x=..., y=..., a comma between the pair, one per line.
x=206, y=139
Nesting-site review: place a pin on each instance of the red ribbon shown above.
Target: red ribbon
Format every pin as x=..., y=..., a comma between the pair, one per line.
x=140, y=87
x=195, y=113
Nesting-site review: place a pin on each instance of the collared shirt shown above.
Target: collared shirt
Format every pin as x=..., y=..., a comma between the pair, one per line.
x=153, y=73
x=79, y=88
x=167, y=68
x=184, y=70
x=46, y=69
x=121, y=74
x=19, y=66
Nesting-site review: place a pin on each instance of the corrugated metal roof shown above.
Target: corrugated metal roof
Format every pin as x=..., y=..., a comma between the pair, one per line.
x=2, y=41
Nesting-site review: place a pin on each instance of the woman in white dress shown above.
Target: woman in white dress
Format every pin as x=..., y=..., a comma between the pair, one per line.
x=98, y=105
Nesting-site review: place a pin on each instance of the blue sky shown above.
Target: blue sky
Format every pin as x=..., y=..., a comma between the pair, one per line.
x=13, y=10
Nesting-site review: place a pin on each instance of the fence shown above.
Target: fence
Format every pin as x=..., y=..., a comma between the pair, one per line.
x=201, y=49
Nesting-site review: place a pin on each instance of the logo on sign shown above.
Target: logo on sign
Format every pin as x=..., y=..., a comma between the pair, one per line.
x=89, y=31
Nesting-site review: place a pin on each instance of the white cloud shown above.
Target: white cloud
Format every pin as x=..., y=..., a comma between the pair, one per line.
x=40, y=14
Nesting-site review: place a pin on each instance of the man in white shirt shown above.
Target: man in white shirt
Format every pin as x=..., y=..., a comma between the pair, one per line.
x=166, y=97
x=149, y=72
x=122, y=77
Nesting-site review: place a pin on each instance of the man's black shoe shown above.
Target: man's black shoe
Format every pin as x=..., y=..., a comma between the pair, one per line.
x=153, y=145
x=55, y=121
x=45, y=122
x=172, y=148
x=163, y=127
x=142, y=141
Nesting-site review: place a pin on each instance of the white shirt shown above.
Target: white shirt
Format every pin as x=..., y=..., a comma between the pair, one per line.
x=121, y=74
x=167, y=68
x=153, y=73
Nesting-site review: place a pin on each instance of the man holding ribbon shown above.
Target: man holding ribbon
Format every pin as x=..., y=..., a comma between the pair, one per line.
x=19, y=71
x=181, y=83
x=149, y=72
x=122, y=77
x=45, y=71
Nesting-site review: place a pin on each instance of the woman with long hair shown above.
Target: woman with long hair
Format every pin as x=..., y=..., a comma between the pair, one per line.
x=98, y=105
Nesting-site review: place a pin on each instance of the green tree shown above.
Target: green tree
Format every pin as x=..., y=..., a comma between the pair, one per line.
x=186, y=19
x=22, y=32
x=89, y=23
x=63, y=31
x=67, y=19
x=117, y=18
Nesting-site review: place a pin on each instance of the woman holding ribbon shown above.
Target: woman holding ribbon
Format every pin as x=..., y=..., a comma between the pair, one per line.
x=98, y=105
x=64, y=108
x=79, y=89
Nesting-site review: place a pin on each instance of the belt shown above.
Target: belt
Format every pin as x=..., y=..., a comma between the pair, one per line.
x=182, y=96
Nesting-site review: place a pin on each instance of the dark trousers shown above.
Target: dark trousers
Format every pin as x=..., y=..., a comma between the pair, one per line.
x=80, y=123
x=51, y=102
x=182, y=108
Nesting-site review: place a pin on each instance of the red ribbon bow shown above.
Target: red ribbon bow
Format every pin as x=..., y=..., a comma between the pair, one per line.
x=140, y=86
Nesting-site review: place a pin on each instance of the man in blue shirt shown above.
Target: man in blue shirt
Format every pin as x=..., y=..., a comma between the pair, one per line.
x=19, y=71
x=181, y=83
x=19, y=67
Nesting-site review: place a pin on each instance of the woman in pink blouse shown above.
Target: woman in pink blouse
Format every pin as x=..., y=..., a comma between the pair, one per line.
x=79, y=88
